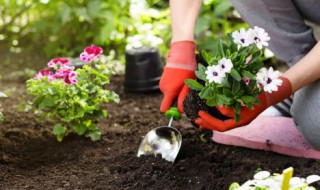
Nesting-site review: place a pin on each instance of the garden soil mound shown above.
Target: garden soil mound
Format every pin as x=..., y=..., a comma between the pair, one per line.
x=31, y=158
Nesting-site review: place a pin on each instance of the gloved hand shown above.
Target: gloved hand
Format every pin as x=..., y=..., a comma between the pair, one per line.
x=181, y=64
x=246, y=115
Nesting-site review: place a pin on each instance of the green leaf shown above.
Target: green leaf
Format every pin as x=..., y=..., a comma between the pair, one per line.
x=249, y=75
x=79, y=129
x=227, y=92
x=211, y=102
x=234, y=73
x=248, y=99
x=47, y=102
x=234, y=186
x=235, y=87
x=193, y=84
x=205, y=92
x=201, y=68
x=224, y=98
x=221, y=49
x=52, y=90
x=59, y=131
x=94, y=135
x=201, y=75
x=206, y=56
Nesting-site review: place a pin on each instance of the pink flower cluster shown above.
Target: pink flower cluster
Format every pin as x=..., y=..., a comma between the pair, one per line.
x=91, y=53
x=62, y=71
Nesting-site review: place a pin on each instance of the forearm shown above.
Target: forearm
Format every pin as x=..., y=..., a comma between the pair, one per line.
x=306, y=71
x=184, y=14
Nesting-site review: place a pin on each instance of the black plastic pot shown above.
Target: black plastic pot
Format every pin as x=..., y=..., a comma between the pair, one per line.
x=143, y=70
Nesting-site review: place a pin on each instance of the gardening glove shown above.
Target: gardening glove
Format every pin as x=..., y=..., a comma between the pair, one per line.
x=181, y=65
x=246, y=115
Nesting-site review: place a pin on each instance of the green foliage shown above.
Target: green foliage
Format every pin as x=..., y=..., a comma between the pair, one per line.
x=233, y=92
x=217, y=18
x=75, y=107
x=63, y=27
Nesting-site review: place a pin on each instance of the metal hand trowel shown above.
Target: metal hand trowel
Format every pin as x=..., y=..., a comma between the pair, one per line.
x=165, y=141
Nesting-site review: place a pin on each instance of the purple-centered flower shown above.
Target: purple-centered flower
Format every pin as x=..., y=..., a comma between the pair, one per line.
x=269, y=79
x=58, y=62
x=261, y=37
x=91, y=53
x=70, y=78
x=215, y=74
x=225, y=65
x=242, y=37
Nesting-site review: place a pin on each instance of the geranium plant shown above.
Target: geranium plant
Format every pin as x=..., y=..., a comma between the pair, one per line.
x=72, y=98
x=2, y=95
x=235, y=76
x=263, y=180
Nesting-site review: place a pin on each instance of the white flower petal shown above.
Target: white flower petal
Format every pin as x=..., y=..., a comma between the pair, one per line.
x=312, y=178
x=261, y=175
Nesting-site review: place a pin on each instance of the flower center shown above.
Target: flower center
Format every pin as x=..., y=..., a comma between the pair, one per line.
x=242, y=40
x=215, y=73
x=257, y=39
x=269, y=80
x=223, y=66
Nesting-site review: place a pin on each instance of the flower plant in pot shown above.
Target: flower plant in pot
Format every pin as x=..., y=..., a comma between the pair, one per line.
x=234, y=76
x=72, y=98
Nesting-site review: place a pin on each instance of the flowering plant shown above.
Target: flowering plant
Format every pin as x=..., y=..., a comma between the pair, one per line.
x=265, y=181
x=234, y=77
x=2, y=95
x=72, y=97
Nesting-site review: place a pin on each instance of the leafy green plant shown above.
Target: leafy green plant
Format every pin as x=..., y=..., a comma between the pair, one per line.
x=235, y=74
x=2, y=95
x=72, y=98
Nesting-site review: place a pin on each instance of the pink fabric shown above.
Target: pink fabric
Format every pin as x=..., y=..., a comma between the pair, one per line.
x=276, y=134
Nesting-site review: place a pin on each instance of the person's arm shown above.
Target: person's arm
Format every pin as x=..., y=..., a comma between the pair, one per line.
x=181, y=62
x=184, y=15
x=306, y=71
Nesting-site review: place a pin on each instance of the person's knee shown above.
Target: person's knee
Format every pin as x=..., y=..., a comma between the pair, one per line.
x=304, y=111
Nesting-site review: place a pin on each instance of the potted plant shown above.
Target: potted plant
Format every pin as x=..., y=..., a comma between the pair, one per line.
x=233, y=77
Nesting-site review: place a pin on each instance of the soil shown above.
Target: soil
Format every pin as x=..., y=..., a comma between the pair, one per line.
x=31, y=157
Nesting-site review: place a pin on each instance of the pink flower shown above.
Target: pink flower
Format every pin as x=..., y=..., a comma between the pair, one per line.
x=58, y=61
x=246, y=80
x=45, y=72
x=70, y=78
x=91, y=53
x=63, y=71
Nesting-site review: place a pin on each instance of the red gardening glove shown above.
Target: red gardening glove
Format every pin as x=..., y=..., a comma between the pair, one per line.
x=181, y=64
x=246, y=115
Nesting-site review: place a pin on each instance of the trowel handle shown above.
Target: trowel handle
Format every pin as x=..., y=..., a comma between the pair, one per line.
x=173, y=111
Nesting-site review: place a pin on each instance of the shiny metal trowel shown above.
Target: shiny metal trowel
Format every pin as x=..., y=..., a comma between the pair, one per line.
x=165, y=141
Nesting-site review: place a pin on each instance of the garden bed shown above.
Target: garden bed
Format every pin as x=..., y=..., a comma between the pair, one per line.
x=31, y=157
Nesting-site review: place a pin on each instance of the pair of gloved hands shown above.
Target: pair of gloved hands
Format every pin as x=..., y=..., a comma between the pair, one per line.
x=181, y=65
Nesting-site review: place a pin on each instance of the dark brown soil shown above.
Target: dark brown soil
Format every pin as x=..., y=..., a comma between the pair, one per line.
x=31, y=158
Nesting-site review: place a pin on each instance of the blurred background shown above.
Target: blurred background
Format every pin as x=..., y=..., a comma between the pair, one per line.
x=34, y=31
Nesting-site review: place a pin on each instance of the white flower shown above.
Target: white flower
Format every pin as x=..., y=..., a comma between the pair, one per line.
x=269, y=79
x=225, y=65
x=243, y=38
x=261, y=37
x=261, y=175
x=215, y=74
